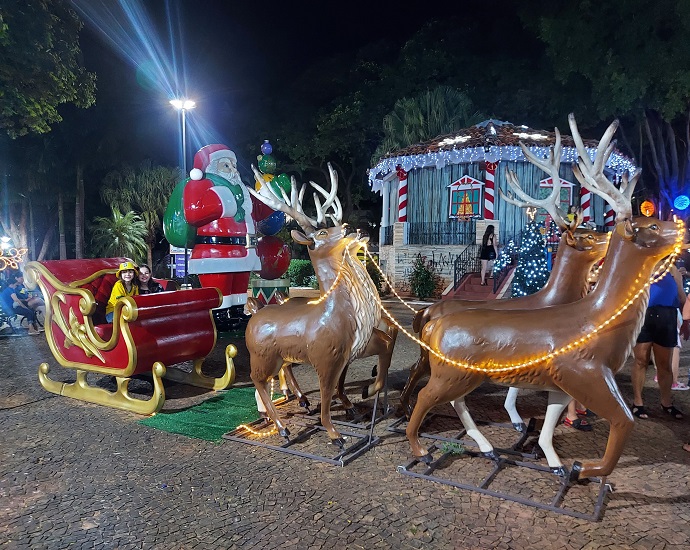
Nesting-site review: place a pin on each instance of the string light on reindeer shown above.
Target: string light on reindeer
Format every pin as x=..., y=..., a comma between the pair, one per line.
x=578, y=343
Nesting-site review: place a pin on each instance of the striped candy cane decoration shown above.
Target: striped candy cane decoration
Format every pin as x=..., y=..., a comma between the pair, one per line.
x=609, y=216
x=585, y=204
x=489, y=190
x=402, y=194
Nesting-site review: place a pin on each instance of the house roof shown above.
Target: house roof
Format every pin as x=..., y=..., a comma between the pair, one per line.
x=491, y=140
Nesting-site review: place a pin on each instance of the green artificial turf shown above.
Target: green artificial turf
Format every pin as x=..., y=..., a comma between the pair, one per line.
x=212, y=418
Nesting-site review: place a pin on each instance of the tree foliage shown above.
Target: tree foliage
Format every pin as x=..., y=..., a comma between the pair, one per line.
x=145, y=190
x=628, y=60
x=40, y=65
x=119, y=235
x=435, y=112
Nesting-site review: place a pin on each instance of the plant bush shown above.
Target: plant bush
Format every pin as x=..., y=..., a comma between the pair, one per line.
x=424, y=279
x=300, y=273
x=375, y=275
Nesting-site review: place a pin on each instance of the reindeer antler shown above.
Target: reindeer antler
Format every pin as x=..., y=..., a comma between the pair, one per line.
x=550, y=203
x=330, y=200
x=591, y=174
x=292, y=206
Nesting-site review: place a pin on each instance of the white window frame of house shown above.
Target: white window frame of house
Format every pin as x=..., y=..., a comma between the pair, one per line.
x=463, y=184
x=547, y=183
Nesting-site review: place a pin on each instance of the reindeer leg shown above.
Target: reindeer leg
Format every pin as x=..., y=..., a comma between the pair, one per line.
x=294, y=386
x=485, y=447
x=328, y=374
x=417, y=371
x=509, y=405
x=262, y=387
x=381, y=344
x=601, y=395
x=444, y=386
x=343, y=398
x=557, y=402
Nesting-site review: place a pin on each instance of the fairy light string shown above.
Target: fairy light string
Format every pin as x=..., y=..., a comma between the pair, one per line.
x=492, y=367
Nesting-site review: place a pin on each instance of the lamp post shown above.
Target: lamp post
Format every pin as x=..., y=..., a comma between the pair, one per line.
x=184, y=105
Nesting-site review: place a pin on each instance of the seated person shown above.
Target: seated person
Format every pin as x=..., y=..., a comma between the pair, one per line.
x=35, y=303
x=14, y=304
x=127, y=284
x=146, y=284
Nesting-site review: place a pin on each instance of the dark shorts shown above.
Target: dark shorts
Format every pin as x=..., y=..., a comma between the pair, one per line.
x=660, y=326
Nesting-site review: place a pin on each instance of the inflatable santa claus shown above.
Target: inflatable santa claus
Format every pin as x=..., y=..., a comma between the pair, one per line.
x=218, y=205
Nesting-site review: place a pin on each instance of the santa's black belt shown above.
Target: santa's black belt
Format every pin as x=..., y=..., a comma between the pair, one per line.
x=248, y=240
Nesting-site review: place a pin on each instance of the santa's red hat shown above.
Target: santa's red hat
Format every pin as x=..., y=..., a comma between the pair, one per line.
x=205, y=155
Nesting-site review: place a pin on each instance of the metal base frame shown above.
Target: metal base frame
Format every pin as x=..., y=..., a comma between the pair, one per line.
x=363, y=421
x=525, y=431
x=361, y=442
x=502, y=458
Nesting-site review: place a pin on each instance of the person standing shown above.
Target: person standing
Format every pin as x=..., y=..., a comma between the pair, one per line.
x=659, y=334
x=488, y=251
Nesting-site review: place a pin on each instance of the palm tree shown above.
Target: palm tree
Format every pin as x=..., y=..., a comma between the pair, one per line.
x=146, y=190
x=442, y=110
x=121, y=235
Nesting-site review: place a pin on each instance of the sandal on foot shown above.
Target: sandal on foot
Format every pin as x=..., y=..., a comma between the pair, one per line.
x=586, y=413
x=672, y=411
x=578, y=424
x=639, y=412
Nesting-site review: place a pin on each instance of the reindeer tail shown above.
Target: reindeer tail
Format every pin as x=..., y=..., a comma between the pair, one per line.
x=420, y=319
x=281, y=297
x=252, y=306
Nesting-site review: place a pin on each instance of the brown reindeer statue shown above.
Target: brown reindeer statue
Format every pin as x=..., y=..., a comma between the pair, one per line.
x=329, y=332
x=572, y=349
x=381, y=344
x=579, y=250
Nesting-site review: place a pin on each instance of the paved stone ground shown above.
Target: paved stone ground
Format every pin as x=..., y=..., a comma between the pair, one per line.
x=76, y=475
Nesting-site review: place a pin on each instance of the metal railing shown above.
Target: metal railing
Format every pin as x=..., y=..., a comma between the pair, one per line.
x=467, y=262
x=440, y=233
x=386, y=236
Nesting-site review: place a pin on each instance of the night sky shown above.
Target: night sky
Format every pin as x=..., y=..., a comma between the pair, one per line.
x=235, y=56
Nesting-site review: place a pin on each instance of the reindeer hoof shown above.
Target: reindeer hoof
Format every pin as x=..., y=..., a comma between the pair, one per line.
x=375, y=371
x=490, y=455
x=520, y=427
x=560, y=471
x=350, y=413
x=426, y=459
x=576, y=471
x=338, y=442
x=284, y=432
x=365, y=392
x=304, y=403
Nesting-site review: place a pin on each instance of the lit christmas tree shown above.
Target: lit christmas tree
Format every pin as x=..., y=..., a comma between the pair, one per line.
x=531, y=272
x=505, y=257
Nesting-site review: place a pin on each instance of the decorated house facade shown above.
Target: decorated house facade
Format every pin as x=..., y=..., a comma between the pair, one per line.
x=439, y=196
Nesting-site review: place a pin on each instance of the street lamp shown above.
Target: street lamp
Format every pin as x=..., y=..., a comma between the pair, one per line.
x=184, y=105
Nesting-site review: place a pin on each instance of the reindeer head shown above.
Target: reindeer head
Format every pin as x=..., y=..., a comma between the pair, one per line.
x=652, y=234
x=592, y=243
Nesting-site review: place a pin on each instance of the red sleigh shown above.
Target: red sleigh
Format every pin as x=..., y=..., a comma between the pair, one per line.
x=148, y=333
